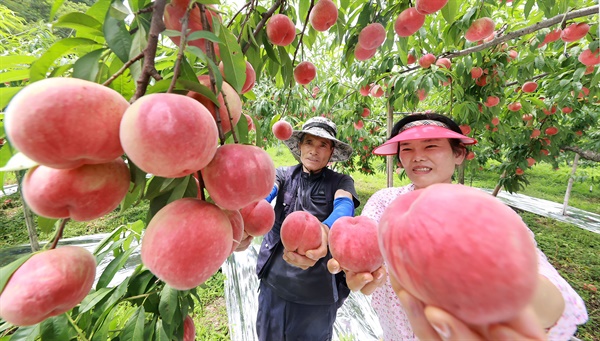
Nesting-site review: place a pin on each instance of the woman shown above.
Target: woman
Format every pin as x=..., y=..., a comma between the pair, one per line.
x=429, y=147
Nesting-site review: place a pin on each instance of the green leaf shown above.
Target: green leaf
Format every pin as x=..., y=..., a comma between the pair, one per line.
x=14, y=75
x=179, y=190
x=6, y=94
x=168, y=306
x=92, y=299
x=87, y=67
x=113, y=236
x=204, y=35
x=12, y=61
x=80, y=22
x=131, y=197
x=199, y=88
x=161, y=333
x=8, y=270
x=29, y=333
x=134, y=328
x=55, y=6
x=527, y=9
x=449, y=11
x=112, y=268
x=41, y=67
x=46, y=224
x=57, y=328
x=233, y=60
x=117, y=37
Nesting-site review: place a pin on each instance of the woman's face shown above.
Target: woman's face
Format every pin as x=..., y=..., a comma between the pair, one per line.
x=315, y=152
x=429, y=162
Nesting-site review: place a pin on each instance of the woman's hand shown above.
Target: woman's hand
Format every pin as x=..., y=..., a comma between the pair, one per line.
x=432, y=323
x=244, y=243
x=312, y=256
x=366, y=282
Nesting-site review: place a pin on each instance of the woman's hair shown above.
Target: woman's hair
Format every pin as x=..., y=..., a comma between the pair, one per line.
x=455, y=144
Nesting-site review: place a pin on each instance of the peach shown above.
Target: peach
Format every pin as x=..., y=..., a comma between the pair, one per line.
x=426, y=60
x=305, y=72
x=589, y=58
x=258, y=218
x=250, y=122
x=512, y=55
x=372, y=36
x=250, y=77
x=530, y=161
x=282, y=130
x=470, y=155
x=527, y=117
x=422, y=94
x=552, y=36
x=567, y=110
x=300, y=232
x=189, y=329
x=516, y=106
x=365, y=90
x=366, y=112
x=169, y=135
x=174, y=12
x=492, y=101
x=574, y=32
x=48, y=284
x=360, y=53
x=444, y=62
x=465, y=128
x=408, y=22
x=66, y=122
x=358, y=125
x=83, y=193
x=281, y=30
x=545, y=152
x=495, y=121
x=186, y=242
x=479, y=237
x=482, y=81
x=323, y=15
x=480, y=29
x=350, y=234
x=376, y=91
x=529, y=86
x=411, y=59
x=535, y=133
x=476, y=72
x=233, y=103
x=237, y=227
x=589, y=69
x=519, y=171
x=232, y=186
x=429, y=6
x=551, y=131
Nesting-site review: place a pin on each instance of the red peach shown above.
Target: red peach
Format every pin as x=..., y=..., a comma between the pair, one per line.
x=444, y=62
x=360, y=53
x=589, y=69
x=305, y=72
x=574, y=32
x=48, y=284
x=365, y=90
x=495, y=121
x=174, y=12
x=233, y=187
x=429, y=6
x=408, y=22
x=426, y=60
x=169, y=135
x=480, y=29
x=323, y=15
x=281, y=30
x=527, y=117
x=535, y=133
x=567, y=110
x=476, y=72
x=477, y=230
x=250, y=122
x=186, y=242
x=189, y=329
x=358, y=125
x=516, y=106
x=482, y=81
x=300, y=232
x=258, y=218
x=529, y=86
x=237, y=227
x=66, y=122
x=519, y=171
x=465, y=128
x=349, y=234
x=512, y=55
x=83, y=193
x=579, y=133
x=421, y=94
x=372, y=36
x=411, y=59
x=376, y=91
x=250, y=77
x=552, y=36
x=233, y=103
x=545, y=152
x=492, y=101
x=470, y=155
x=551, y=131
x=530, y=161
x=589, y=58
x=366, y=112
x=282, y=130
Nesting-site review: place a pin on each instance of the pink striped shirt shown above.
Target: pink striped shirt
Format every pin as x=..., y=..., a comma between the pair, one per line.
x=394, y=321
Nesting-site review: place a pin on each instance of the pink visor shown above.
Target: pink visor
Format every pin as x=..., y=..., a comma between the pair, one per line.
x=421, y=132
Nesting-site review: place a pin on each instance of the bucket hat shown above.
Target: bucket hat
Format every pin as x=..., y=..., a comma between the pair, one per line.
x=421, y=130
x=321, y=127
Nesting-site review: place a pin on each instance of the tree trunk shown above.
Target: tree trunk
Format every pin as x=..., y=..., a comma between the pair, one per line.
x=29, y=221
x=570, y=185
x=389, y=160
x=498, y=186
x=461, y=173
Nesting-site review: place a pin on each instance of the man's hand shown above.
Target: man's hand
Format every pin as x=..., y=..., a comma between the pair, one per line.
x=432, y=323
x=246, y=241
x=366, y=282
x=312, y=256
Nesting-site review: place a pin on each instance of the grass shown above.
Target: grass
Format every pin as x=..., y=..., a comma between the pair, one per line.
x=573, y=251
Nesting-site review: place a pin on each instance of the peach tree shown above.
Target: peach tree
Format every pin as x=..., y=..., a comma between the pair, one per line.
x=205, y=81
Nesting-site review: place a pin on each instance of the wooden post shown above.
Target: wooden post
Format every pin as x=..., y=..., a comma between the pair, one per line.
x=29, y=222
x=570, y=185
x=389, y=160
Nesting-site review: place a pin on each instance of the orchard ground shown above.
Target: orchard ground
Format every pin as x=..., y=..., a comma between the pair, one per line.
x=573, y=251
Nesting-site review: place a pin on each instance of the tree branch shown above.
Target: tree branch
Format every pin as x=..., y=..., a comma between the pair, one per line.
x=123, y=68
x=156, y=27
x=59, y=233
x=262, y=22
x=182, y=42
x=586, y=154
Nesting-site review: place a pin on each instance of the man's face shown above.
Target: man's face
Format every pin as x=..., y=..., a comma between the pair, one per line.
x=428, y=162
x=315, y=152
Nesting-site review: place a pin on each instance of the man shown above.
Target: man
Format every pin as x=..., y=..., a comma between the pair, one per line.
x=299, y=297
